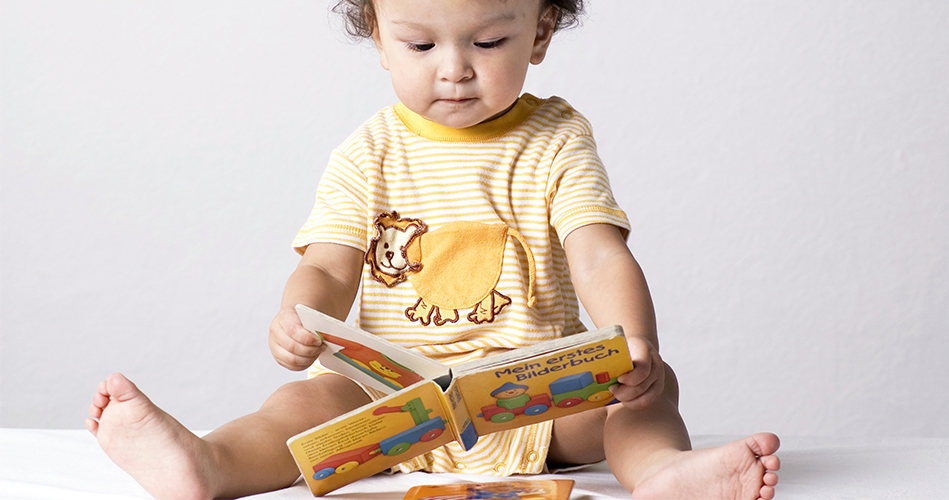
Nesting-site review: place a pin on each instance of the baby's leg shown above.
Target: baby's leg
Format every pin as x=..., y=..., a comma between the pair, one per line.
x=649, y=453
x=245, y=456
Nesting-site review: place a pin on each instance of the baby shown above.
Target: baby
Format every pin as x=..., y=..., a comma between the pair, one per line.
x=463, y=148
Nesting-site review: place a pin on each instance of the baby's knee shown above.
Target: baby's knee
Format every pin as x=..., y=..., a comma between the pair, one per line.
x=330, y=394
x=578, y=439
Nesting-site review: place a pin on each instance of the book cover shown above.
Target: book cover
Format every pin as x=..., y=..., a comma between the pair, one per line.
x=545, y=385
x=372, y=438
x=557, y=489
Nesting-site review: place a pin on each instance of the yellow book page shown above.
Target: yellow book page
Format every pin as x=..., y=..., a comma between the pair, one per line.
x=372, y=438
x=557, y=489
x=546, y=386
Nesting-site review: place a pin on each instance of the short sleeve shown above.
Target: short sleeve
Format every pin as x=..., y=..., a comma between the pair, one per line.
x=578, y=190
x=339, y=213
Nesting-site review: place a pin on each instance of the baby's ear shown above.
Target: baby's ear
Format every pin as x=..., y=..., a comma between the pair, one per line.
x=545, y=32
x=376, y=39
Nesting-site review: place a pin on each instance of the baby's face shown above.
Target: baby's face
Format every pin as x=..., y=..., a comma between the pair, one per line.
x=460, y=62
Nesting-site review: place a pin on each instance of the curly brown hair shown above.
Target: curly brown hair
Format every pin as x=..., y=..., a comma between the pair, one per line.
x=360, y=15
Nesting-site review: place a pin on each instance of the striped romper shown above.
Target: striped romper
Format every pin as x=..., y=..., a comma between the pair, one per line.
x=476, y=290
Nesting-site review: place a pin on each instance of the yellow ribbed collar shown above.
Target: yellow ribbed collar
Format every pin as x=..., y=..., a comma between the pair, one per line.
x=418, y=125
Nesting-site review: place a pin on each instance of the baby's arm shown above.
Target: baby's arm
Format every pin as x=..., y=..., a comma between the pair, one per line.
x=612, y=288
x=326, y=279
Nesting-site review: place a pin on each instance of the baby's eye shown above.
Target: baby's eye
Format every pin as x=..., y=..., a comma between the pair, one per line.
x=420, y=47
x=493, y=44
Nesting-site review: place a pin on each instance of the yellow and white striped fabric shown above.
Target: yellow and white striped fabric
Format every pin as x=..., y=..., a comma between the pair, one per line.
x=534, y=169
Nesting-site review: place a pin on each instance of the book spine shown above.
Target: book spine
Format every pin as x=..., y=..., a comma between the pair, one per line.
x=460, y=420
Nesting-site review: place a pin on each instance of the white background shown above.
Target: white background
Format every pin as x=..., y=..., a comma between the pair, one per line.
x=784, y=164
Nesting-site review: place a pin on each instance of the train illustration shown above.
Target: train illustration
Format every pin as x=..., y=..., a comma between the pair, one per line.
x=373, y=363
x=565, y=392
x=425, y=429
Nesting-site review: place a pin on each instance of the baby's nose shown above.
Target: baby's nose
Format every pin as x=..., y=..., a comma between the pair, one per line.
x=455, y=66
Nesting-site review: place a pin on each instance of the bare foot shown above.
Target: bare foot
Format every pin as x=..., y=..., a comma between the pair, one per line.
x=155, y=449
x=740, y=470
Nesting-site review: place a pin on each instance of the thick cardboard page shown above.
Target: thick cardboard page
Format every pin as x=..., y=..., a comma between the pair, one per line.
x=373, y=438
x=526, y=390
x=368, y=359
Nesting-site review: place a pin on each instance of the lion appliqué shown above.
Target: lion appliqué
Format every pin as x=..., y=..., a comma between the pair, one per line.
x=453, y=268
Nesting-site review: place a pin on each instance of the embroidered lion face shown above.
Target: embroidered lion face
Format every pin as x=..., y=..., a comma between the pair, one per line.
x=388, y=250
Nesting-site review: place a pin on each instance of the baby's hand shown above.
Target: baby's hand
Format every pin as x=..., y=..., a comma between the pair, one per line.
x=640, y=387
x=293, y=346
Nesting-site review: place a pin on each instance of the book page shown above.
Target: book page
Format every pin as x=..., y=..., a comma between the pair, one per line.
x=366, y=358
x=550, y=385
x=372, y=438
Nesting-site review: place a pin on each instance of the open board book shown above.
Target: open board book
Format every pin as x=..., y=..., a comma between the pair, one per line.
x=429, y=404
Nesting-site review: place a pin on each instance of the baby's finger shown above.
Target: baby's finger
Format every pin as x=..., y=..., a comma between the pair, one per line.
x=640, y=373
x=292, y=362
x=289, y=345
x=624, y=392
x=301, y=335
x=637, y=397
x=297, y=356
x=301, y=349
